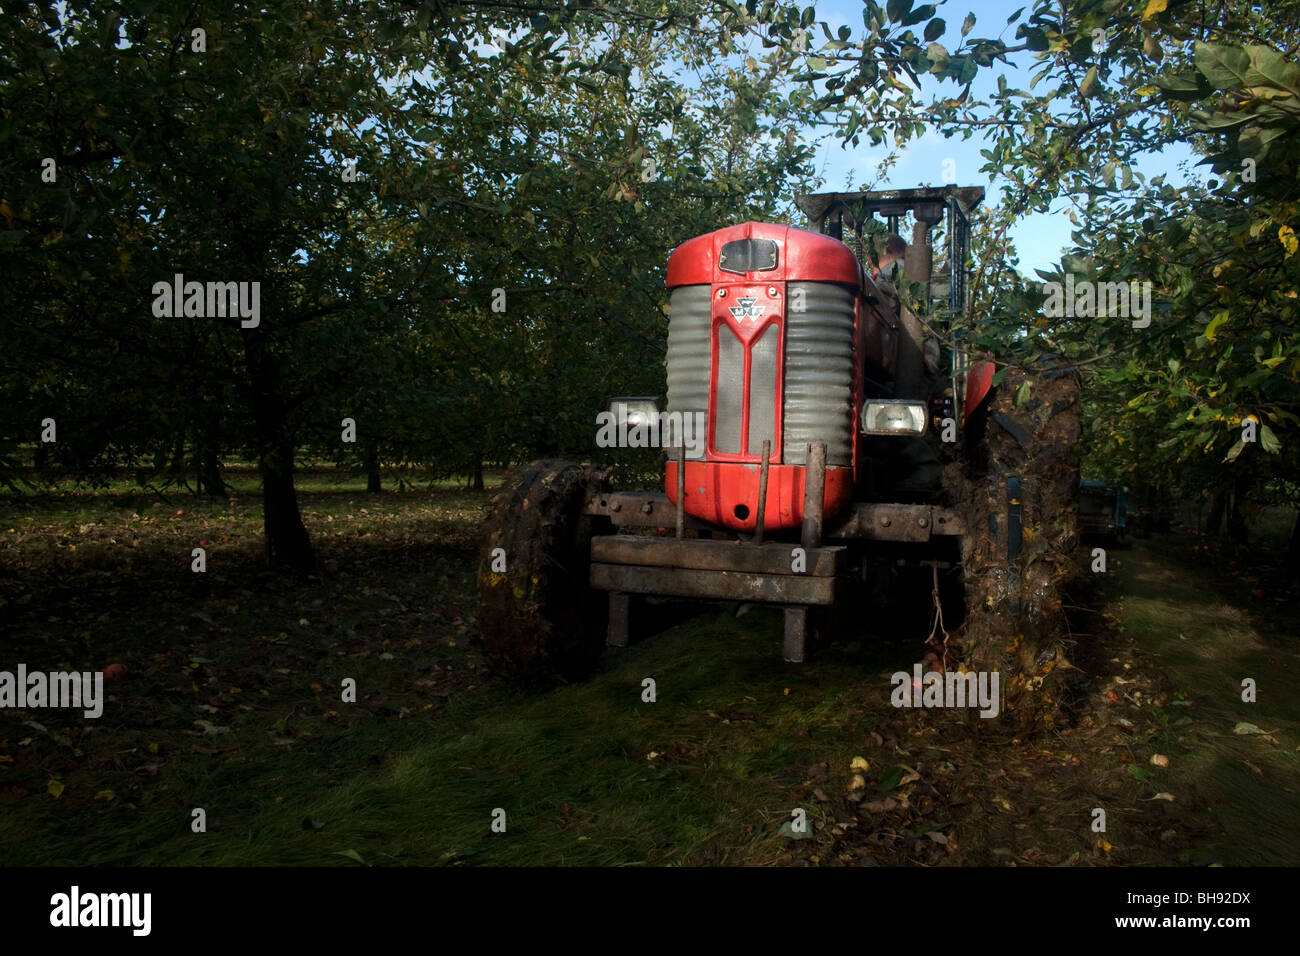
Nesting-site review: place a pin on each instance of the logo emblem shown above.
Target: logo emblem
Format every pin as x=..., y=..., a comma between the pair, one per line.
x=745, y=309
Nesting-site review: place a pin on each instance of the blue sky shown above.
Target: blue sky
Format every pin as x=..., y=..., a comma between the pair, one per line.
x=1038, y=238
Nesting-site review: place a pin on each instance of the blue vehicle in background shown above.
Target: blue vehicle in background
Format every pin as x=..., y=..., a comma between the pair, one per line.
x=1103, y=511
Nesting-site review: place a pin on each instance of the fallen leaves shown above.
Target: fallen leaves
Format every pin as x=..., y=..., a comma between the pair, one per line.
x=1246, y=729
x=880, y=806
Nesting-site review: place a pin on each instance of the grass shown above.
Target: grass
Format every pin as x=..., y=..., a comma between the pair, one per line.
x=1200, y=628
x=409, y=774
x=232, y=705
x=586, y=774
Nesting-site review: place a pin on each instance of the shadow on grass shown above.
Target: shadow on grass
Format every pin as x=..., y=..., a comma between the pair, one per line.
x=1246, y=784
x=588, y=774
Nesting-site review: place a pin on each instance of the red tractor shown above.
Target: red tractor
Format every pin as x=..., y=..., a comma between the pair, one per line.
x=815, y=428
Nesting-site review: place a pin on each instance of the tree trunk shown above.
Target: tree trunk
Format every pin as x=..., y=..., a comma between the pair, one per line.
x=476, y=478
x=287, y=542
x=1214, y=523
x=207, y=464
x=177, y=467
x=210, y=481
x=1238, y=531
x=1293, y=552
x=374, y=479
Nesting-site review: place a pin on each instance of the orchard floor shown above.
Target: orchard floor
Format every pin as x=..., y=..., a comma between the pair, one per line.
x=232, y=705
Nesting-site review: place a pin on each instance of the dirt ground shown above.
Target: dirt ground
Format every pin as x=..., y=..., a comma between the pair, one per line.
x=1158, y=738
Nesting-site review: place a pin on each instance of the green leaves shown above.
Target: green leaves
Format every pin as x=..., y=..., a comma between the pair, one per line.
x=1219, y=320
x=1089, y=82
x=919, y=14
x=1187, y=87
x=1035, y=38
x=1224, y=65
x=898, y=9
x=1270, y=69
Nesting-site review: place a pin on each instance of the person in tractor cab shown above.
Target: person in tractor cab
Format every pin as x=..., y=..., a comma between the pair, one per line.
x=895, y=251
x=912, y=462
x=883, y=273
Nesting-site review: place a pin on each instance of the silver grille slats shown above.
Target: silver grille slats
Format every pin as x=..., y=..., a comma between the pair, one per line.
x=688, y=351
x=819, y=372
x=817, y=375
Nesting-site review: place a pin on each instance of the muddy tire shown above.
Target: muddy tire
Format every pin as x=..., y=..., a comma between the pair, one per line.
x=539, y=621
x=1021, y=488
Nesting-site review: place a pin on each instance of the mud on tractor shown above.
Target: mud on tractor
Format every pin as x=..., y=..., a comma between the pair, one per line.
x=841, y=435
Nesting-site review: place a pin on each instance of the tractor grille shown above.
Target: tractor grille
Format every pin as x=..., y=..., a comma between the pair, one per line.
x=688, y=351
x=731, y=379
x=819, y=373
x=762, y=391
x=727, y=411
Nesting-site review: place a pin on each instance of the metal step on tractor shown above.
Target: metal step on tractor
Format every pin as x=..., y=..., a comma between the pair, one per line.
x=816, y=432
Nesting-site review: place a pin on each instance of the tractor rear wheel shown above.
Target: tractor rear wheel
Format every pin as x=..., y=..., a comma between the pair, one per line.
x=539, y=620
x=1021, y=519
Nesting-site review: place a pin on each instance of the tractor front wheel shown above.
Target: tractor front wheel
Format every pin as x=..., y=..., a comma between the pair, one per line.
x=1022, y=523
x=539, y=620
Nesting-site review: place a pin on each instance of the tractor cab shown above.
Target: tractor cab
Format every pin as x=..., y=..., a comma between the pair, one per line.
x=863, y=221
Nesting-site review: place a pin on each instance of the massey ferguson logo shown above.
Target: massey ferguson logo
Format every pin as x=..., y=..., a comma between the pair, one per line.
x=745, y=309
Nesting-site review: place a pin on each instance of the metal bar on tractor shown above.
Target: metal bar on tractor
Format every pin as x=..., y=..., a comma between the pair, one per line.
x=814, y=492
x=637, y=509
x=714, y=585
x=884, y=521
x=954, y=245
x=762, y=493
x=773, y=557
x=681, y=489
x=795, y=636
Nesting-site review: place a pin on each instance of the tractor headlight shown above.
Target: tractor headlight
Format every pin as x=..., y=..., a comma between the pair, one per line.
x=893, y=417
x=636, y=410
